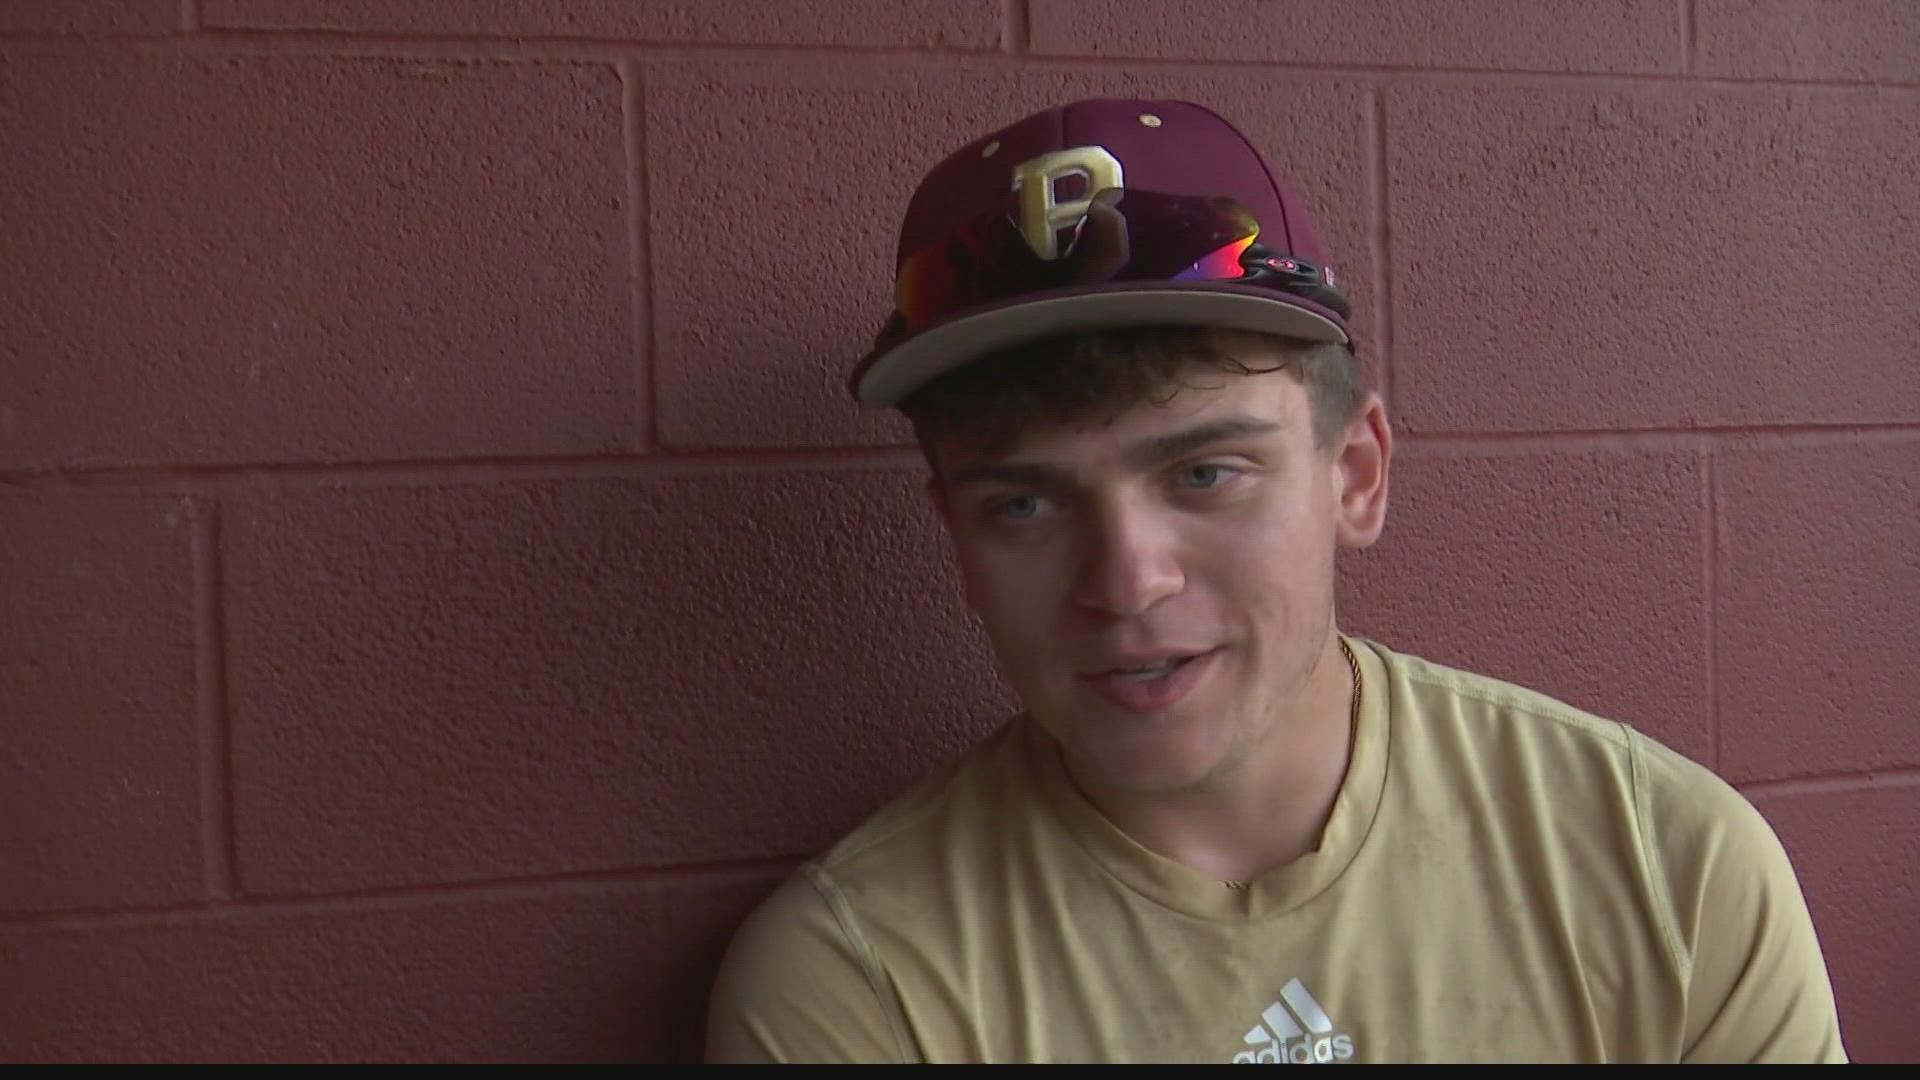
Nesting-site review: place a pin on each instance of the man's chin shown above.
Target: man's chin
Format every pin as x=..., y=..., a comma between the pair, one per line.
x=1144, y=767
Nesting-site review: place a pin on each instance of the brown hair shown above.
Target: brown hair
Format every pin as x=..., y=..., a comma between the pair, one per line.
x=1092, y=378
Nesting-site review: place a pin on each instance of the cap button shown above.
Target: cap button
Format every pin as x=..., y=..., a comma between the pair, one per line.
x=990, y=149
x=1149, y=119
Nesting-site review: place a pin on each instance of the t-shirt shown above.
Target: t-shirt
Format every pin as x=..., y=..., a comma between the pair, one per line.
x=1503, y=878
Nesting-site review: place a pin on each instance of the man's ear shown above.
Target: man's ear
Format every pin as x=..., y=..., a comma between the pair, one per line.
x=1361, y=463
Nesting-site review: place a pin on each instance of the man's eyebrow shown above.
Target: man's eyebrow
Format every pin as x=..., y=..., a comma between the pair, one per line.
x=1141, y=455
x=1177, y=444
x=1012, y=474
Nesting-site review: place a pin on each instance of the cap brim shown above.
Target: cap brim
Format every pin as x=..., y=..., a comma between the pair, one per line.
x=945, y=346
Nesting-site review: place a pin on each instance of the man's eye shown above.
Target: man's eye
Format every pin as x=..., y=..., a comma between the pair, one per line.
x=1018, y=507
x=1205, y=475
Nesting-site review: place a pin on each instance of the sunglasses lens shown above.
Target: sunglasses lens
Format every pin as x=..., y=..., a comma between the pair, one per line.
x=1167, y=238
x=1186, y=238
x=1223, y=264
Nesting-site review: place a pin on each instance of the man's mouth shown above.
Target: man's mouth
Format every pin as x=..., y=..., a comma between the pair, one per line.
x=1152, y=671
x=1148, y=684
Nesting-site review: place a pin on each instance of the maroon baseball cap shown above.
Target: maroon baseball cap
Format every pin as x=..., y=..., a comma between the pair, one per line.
x=1097, y=214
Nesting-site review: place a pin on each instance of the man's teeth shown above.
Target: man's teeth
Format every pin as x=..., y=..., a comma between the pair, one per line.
x=1154, y=672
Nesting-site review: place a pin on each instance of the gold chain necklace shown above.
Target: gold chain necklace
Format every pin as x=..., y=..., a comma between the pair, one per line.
x=1353, y=725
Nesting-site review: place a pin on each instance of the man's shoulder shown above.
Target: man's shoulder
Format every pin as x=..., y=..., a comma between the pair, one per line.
x=946, y=815
x=1491, y=704
x=802, y=979
x=1700, y=859
x=1536, y=723
x=1502, y=716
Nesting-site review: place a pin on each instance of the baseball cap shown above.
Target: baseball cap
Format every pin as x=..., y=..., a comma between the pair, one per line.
x=1100, y=213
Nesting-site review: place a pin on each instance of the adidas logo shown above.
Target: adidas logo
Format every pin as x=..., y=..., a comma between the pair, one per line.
x=1279, y=1038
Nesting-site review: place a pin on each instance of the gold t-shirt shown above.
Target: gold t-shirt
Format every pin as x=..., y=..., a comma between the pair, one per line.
x=1503, y=878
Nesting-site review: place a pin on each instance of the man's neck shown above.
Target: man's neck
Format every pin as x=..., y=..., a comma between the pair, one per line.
x=1272, y=806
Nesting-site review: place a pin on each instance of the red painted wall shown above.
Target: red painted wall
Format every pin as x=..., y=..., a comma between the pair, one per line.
x=444, y=584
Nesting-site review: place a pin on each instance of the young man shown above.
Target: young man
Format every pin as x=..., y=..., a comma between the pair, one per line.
x=1221, y=829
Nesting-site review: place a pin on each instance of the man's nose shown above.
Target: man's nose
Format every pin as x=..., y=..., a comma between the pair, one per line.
x=1129, y=561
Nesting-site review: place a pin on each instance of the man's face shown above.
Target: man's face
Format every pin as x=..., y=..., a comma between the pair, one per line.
x=1159, y=588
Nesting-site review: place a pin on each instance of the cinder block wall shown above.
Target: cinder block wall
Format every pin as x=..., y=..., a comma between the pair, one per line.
x=444, y=583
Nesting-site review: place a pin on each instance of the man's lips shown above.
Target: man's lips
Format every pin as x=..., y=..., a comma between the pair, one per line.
x=1133, y=662
x=1149, y=681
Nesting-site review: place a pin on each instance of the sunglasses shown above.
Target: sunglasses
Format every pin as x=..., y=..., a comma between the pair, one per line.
x=1125, y=236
